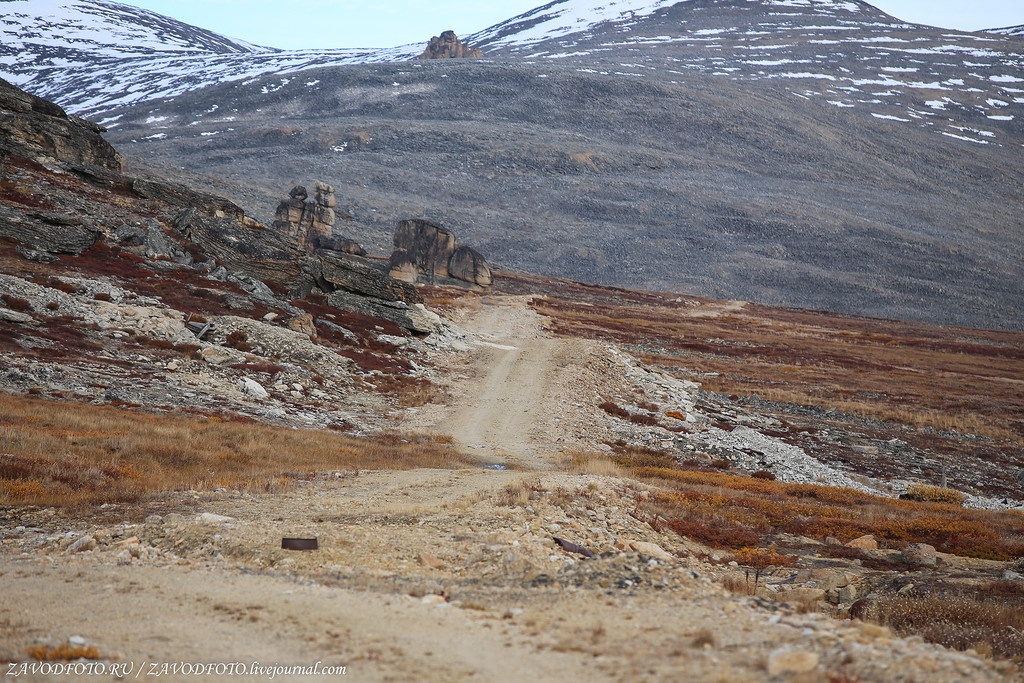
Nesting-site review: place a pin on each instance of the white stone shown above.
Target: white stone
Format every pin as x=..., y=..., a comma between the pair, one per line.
x=210, y=518
x=252, y=387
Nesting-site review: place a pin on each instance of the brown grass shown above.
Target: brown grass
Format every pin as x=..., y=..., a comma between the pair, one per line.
x=989, y=626
x=54, y=453
x=730, y=511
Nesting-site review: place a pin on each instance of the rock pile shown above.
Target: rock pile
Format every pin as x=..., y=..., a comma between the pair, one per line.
x=448, y=46
x=307, y=220
x=426, y=251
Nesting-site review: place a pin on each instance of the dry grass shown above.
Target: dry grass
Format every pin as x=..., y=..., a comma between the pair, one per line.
x=54, y=453
x=729, y=511
x=592, y=463
x=992, y=627
x=63, y=653
x=901, y=372
x=938, y=494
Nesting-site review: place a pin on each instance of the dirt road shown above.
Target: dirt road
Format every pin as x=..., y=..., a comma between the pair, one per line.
x=434, y=575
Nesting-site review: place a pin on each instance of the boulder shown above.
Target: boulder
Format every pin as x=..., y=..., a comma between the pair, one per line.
x=470, y=265
x=303, y=323
x=866, y=542
x=334, y=271
x=448, y=46
x=415, y=318
x=339, y=244
x=425, y=251
x=920, y=554
x=36, y=128
x=252, y=387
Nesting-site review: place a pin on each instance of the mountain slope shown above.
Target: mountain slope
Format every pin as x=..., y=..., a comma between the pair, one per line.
x=797, y=152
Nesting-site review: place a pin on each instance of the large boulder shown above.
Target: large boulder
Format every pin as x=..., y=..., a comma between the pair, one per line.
x=448, y=46
x=470, y=265
x=427, y=252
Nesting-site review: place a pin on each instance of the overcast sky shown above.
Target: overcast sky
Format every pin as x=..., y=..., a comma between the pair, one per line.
x=296, y=24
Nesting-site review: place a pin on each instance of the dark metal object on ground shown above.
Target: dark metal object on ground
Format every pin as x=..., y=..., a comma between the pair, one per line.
x=299, y=544
x=572, y=547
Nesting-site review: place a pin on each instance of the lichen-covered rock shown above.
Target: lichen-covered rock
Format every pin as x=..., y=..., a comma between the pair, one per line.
x=920, y=554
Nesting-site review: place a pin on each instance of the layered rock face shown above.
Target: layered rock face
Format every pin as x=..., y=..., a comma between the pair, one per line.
x=36, y=127
x=427, y=252
x=448, y=46
x=307, y=220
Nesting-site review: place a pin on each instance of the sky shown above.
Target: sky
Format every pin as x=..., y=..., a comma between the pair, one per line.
x=298, y=24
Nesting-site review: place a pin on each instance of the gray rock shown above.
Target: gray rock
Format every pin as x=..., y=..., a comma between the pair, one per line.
x=36, y=255
x=920, y=554
x=19, y=317
x=81, y=545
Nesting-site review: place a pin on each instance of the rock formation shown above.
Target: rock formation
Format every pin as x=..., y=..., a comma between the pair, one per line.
x=448, y=46
x=304, y=219
x=427, y=252
x=34, y=127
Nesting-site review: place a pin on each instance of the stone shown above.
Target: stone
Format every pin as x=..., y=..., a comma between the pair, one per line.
x=173, y=519
x=215, y=357
x=303, y=323
x=211, y=518
x=1010, y=575
x=333, y=271
x=154, y=520
x=252, y=387
x=652, y=549
x=17, y=317
x=81, y=545
x=785, y=661
x=77, y=641
x=434, y=599
x=431, y=561
x=339, y=244
x=428, y=252
x=448, y=46
x=866, y=542
x=36, y=255
x=305, y=220
x=834, y=581
x=847, y=594
x=920, y=554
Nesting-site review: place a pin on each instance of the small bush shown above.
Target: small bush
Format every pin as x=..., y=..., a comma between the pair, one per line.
x=16, y=303
x=935, y=494
x=101, y=296
x=239, y=340
x=614, y=410
x=721, y=464
x=52, y=306
x=764, y=474
x=958, y=622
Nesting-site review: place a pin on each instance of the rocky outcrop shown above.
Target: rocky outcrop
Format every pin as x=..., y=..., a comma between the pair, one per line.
x=307, y=220
x=448, y=46
x=427, y=252
x=36, y=128
x=340, y=244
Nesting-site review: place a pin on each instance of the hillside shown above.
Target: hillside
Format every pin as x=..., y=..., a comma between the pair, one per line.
x=815, y=154
x=539, y=477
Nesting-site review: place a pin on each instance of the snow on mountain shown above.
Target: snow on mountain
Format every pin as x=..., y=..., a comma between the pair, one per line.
x=93, y=55
x=560, y=18
x=1008, y=30
x=36, y=34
